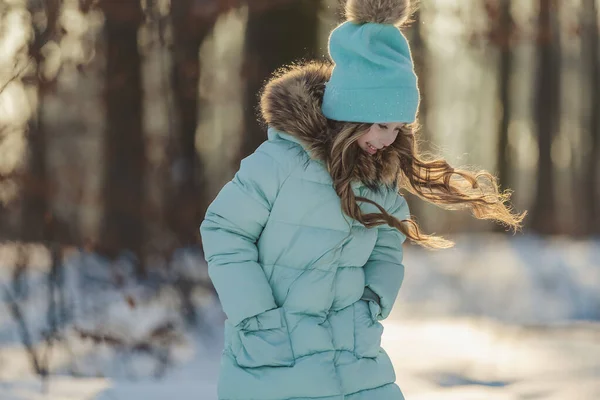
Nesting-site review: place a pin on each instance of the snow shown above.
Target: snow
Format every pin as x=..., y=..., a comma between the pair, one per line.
x=523, y=280
x=497, y=317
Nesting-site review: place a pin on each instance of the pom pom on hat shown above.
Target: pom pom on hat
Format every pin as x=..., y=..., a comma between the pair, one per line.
x=389, y=12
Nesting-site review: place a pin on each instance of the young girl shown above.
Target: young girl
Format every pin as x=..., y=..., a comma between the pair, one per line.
x=304, y=245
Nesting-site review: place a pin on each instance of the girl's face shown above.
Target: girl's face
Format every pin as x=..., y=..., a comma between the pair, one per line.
x=379, y=136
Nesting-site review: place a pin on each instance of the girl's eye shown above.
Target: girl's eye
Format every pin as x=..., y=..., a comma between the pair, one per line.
x=382, y=126
x=401, y=128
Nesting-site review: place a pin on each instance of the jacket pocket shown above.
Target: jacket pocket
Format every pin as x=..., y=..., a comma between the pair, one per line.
x=264, y=341
x=367, y=329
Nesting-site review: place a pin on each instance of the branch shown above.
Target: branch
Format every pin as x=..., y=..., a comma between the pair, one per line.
x=17, y=314
x=16, y=75
x=52, y=8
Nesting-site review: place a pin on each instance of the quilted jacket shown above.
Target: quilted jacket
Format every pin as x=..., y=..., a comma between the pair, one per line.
x=304, y=287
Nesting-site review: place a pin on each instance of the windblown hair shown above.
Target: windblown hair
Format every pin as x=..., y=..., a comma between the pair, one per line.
x=291, y=102
x=431, y=179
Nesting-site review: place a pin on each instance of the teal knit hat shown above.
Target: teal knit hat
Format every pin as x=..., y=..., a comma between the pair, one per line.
x=373, y=79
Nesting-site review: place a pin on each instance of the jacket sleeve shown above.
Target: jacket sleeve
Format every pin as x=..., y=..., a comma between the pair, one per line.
x=384, y=271
x=230, y=230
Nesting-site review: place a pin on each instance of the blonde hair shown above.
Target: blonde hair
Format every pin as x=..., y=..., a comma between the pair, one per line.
x=431, y=179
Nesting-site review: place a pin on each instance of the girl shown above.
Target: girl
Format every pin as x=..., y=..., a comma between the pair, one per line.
x=304, y=245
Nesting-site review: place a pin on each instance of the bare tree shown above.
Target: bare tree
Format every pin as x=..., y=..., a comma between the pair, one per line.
x=418, y=49
x=547, y=112
x=124, y=156
x=275, y=36
x=35, y=183
x=591, y=182
x=191, y=25
x=503, y=34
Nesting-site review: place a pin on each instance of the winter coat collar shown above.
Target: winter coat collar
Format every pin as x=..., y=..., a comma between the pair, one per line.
x=274, y=134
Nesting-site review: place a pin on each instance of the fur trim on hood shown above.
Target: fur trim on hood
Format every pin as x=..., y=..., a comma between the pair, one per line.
x=291, y=103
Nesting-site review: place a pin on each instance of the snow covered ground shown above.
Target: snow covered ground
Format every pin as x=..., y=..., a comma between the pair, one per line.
x=495, y=318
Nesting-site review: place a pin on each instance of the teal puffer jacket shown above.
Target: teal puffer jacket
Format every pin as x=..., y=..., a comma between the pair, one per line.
x=304, y=287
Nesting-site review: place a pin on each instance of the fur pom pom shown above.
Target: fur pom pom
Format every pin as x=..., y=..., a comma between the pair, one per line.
x=390, y=12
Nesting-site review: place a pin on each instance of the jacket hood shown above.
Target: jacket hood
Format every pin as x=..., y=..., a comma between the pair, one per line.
x=291, y=107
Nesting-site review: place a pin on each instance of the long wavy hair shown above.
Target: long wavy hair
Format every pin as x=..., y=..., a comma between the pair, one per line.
x=429, y=178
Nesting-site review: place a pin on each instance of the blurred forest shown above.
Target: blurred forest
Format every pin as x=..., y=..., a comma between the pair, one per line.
x=120, y=120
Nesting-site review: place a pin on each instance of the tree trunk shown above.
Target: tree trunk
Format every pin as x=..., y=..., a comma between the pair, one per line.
x=187, y=203
x=547, y=112
x=506, y=25
x=503, y=38
x=124, y=142
x=275, y=37
x=418, y=50
x=35, y=193
x=591, y=46
x=35, y=186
